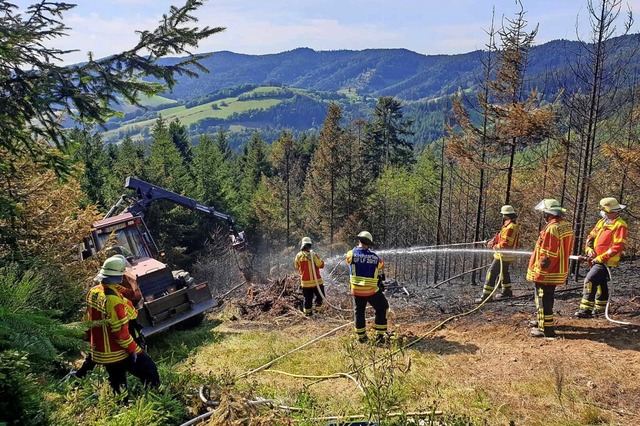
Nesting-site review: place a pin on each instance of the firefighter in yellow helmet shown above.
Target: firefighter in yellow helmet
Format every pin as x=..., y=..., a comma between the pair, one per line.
x=366, y=277
x=603, y=248
x=549, y=263
x=308, y=264
x=506, y=239
x=112, y=343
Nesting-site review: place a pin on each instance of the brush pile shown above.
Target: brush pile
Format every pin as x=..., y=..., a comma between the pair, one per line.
x=281, y=297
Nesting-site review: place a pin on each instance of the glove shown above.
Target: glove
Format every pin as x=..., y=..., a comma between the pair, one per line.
x=544, y=263
x=133, y=357
x=381, y=279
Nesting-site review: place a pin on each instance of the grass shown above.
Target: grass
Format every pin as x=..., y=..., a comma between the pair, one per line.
x=473, y=382
x=188, y=116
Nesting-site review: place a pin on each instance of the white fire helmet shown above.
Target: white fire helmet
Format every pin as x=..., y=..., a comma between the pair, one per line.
x=507, y=209
x=305, y=241
x=550, y=206
x=365, y=237
x=611, y=205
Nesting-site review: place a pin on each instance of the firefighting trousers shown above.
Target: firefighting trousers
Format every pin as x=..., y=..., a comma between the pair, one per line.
x=144, y=368
x=596, y=290
x=379, y=304
x=492, y=275
x=544, y=303
x=309, y=293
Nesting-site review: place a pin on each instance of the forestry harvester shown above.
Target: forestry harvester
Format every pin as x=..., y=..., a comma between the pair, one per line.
x=164, y=297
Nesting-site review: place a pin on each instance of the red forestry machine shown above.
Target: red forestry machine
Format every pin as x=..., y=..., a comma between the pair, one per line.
x=164, y=297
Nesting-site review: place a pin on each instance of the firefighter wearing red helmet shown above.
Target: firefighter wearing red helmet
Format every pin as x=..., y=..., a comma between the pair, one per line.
x=603, y=248
x=506, y=239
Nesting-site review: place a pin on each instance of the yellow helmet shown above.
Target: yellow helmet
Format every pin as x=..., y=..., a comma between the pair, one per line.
x=112, y=270
x=305, y=241
x=507, y=209
x=610, y=204
x=366, y=238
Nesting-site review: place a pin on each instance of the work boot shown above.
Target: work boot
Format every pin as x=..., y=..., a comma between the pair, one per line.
x=481, y=298
x=363, y=339
x=549, y=333
x=383, y=339
x=582, y=313
x=533, y=323
x=505, y=294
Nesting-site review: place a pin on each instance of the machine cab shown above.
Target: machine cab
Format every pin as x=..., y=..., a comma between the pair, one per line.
x=124, y=230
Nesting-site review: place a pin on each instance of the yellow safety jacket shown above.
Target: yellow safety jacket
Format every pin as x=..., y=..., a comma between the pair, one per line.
x=364, y=266
x=549, y=262
x=303, y=265
x=507, y=239
x=607, y=239
x=110, y=313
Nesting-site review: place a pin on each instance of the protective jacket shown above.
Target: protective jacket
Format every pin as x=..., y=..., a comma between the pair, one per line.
x=110, y=313
x=303, y=265
x=549, y=262
x=607, y=239
x=506, y=239
x=364, y=266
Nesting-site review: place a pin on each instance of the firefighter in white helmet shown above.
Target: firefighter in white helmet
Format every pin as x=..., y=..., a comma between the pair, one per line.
x=549, y=263
x=506, y=239
x=603, y=248
x=366, y=279
x=308, y=264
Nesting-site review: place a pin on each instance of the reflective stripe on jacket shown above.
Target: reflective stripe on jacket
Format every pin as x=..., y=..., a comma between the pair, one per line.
x=303, y=265
x=554, y=243
x=609, y=239
x=507, y=239
x=109, y=335
x=364, y=266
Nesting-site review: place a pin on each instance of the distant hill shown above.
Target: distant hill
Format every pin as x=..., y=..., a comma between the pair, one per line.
x=293, y=89
x=399, y=73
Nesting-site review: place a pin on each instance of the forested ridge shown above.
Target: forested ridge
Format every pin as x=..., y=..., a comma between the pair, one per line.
x=512, y=124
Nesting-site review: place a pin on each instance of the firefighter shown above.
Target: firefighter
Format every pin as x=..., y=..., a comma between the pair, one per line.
x=112, y=343
x=603, y=248
x=308, y=264
x=549, y=263
x=506, y=239
x=366, y=278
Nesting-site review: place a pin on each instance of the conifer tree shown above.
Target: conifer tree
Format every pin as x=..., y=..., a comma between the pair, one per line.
x=35, y=89
x=385, y=139
x=286, y=159
x=254, y=165
x=324, y=187
x=95, y=165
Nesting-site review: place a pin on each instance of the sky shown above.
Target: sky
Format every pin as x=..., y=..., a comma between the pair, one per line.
x=260, y=27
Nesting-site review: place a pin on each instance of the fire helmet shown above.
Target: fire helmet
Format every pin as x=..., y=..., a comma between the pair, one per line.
x=550, y=206
x=112, y=270
x=507, y=209
x=305, y=241
x=366, y=238
x=611, y=205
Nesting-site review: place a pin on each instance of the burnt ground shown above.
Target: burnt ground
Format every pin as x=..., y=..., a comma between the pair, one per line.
x=596, y=357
